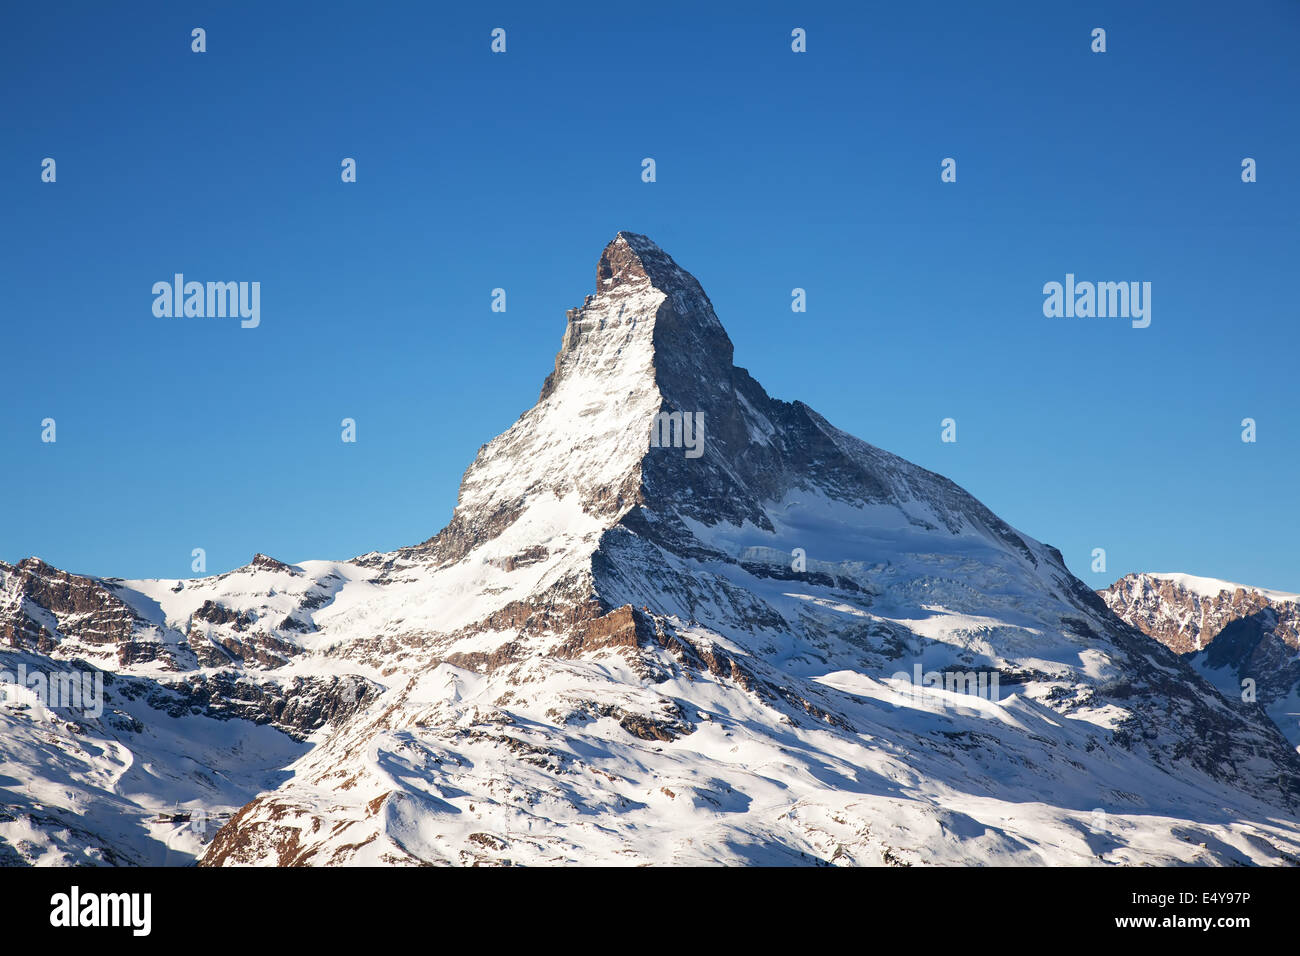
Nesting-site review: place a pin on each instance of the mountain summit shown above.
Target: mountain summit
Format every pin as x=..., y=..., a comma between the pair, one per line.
x=672, y=620
x=631, y=258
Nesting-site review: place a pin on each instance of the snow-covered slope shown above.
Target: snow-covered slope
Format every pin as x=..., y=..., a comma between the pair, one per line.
x=1244, y=640
x=146, y=782
x=628, y=651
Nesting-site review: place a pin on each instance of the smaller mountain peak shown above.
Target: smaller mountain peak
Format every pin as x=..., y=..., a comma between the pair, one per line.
x=265, y=562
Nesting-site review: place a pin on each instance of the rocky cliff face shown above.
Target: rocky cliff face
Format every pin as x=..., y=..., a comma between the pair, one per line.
x=675, y=620
x=44, y=609
x=1245, y=640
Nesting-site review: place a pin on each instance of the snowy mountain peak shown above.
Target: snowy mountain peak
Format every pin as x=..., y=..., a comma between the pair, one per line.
x=264, y=562
x=756, y=638
x=632, y=263
x=1230, y=633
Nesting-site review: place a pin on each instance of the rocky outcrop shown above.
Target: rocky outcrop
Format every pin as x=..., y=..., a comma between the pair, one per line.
x=298, y=706
x=45, y=609
x=1186, y=614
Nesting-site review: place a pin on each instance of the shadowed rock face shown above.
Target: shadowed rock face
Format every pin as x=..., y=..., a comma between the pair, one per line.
x=618, y=652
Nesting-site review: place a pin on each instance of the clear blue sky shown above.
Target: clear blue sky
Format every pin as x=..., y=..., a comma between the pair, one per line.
x=775, y=170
